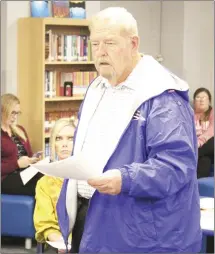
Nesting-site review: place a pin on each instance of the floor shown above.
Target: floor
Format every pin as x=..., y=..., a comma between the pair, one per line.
x=15, y=245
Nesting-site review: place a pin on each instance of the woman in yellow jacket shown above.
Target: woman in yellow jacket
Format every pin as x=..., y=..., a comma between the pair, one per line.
x=48, y=188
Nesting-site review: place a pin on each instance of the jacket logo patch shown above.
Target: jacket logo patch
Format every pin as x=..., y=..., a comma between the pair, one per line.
x=137, y=116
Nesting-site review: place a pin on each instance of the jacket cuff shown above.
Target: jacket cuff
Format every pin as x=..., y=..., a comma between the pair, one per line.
x=126, y=180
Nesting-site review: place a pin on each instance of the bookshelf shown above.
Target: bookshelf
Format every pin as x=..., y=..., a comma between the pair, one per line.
x=33, y=66
x=67, y=63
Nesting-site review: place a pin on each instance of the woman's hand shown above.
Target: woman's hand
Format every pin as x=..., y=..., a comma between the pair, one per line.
x=34, y=160
x=24, y=162
x=55, y=237
x=61, y=251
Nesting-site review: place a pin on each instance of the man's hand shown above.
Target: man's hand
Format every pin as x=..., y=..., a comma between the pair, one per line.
x=109, y=183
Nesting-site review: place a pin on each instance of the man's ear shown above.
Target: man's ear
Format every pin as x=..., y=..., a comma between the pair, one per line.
x=135, y=42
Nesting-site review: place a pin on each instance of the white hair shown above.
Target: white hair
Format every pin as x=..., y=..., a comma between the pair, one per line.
x=116, y=16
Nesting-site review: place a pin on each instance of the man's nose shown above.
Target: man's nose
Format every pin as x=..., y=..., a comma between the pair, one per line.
x=101, y=50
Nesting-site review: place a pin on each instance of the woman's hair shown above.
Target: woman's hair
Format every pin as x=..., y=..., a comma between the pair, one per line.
x=200, y=90
x=59, y=125
x=8, y=101
x=116, y=16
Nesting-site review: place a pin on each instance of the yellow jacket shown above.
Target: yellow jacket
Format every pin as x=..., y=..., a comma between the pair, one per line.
x=45, y=214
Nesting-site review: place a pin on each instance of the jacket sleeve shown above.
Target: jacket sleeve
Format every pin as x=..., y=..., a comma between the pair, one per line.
x=209, y=133
x=8, y=167
x=44, y=215
x=171, y=147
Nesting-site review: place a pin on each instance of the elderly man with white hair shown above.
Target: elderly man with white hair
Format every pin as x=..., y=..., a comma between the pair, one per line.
x=137, y=124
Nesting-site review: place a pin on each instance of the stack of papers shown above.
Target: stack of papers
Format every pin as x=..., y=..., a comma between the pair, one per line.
x=206, y=203
x=28, y=173
x=78, y=167
x=207, y=213
x=59, y=245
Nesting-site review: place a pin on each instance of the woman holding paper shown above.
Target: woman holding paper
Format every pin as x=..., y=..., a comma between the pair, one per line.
x=48, y=188
x=16, y=153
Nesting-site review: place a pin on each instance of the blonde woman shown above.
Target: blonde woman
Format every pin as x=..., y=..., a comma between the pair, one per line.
x=16, y=152
x=48, y=188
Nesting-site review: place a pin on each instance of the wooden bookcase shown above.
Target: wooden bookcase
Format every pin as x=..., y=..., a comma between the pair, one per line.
x=31, y=68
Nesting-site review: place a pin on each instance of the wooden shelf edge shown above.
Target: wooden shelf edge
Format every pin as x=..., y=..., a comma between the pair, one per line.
x=65, y=98
x=59, y=21
x=65, y=21
x=46, y=135
x=69, y=63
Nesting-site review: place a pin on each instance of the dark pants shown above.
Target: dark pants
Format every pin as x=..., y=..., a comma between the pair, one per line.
x=79, y=224
x=13, y=185
x=206, y=158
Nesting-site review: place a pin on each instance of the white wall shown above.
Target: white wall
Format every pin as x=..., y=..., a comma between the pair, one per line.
x=172, y=35
x=14, y=10
x=3, y=47
x=198, y=54
x=185, y=36
x=92, y=7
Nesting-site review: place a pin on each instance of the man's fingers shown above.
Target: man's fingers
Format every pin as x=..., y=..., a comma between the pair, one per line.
x=107, y=191
x=103, y=188
x=97, y=181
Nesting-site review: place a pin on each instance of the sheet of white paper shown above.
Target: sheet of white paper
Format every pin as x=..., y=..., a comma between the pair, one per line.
x=28, y=173
x=207, y=220
x=78, y=167
x=206, y=203
x=59, y=245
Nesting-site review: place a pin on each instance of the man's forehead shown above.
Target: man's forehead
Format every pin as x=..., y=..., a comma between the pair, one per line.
x=107, y=33
x=105, y=28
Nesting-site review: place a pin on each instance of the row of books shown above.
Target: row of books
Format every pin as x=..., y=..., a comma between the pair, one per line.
x=59, y=83
x=58, y=9
x=53, y=116
x=66, y=47
x=47, y=149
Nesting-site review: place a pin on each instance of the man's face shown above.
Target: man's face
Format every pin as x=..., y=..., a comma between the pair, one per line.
x=112, y=52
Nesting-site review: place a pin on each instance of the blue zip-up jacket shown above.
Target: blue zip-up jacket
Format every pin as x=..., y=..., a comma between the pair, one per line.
x=158, y=208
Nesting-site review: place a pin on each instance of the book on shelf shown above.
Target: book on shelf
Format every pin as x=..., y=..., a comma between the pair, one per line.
x=77, y=9
x=66, y=47
x=60, y=9
x=52, y=116
x=47, y=149
x=55, y=82
x=47, y=152
x=39, y=8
